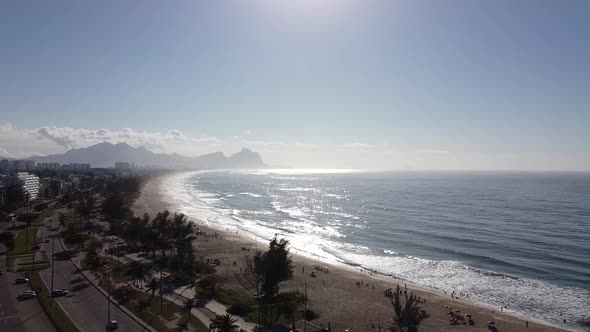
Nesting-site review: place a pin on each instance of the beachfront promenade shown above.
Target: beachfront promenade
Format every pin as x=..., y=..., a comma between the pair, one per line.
x=204, y=314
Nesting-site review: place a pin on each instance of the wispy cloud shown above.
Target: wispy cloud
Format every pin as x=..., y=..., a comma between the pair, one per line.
x=82, y=137
x=281, y=144
x=357, y=145
x=433, y=151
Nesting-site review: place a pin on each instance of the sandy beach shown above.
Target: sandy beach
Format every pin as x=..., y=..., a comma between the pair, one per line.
x=345, y=297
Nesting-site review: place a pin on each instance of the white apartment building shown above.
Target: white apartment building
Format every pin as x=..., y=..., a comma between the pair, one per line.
x=30, y=185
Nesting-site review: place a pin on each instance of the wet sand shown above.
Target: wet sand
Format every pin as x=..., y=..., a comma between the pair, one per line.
x=334, y=295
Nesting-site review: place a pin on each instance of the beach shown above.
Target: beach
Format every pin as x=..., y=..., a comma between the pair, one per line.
x=344, y=297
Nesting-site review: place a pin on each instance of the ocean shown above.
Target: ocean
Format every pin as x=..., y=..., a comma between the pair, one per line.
x=520, y=240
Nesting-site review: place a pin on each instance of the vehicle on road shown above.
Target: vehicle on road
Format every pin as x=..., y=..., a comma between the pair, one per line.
x=26, y=295
x=113, y=325
x=59, y=292
x=21, y=280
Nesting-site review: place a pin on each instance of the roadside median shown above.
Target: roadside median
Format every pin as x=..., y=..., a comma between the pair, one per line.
x=58, y=317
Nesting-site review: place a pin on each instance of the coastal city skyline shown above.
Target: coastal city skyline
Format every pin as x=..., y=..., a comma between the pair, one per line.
x=294, y=165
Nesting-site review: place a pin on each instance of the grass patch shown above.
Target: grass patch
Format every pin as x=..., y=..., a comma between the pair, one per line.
x=61, y=321
x=71, y=217
x=21, y=245
x=29, y=267
x=193, y=323
x=232, y=296
x=239, y=302
x=45, y=214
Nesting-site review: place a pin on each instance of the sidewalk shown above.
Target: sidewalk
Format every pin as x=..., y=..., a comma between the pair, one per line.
x=206, y=314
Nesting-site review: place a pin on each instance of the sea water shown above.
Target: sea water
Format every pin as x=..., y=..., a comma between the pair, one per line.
x=520, y=240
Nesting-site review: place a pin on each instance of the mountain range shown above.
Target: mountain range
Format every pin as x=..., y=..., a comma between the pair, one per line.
x=106, y=154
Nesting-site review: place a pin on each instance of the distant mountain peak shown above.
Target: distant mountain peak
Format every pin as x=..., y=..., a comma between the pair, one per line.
x=105, y=154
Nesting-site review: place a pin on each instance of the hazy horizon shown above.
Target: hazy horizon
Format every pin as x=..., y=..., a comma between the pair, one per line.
x=388, y=85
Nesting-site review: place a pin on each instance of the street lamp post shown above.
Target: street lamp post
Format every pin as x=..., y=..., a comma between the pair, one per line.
x=161, y=294
x=305, y=310
x=118, y=257
x=33, y=251
x=109, y=298
x=52, y=260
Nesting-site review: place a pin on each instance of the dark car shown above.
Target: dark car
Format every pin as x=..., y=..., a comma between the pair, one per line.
x=22, y=280
x=113, y=325
x=26, y=295
x=59, y=292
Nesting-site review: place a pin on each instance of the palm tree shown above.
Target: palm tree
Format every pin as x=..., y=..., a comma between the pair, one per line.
x=408, y=314
x=189, y=304
x=152, y=286
x=138, y=270
x=225, y=323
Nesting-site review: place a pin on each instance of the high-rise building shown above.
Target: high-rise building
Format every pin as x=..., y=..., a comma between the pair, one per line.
x=48, y=166
x=17, y=165
x=122, y=165
x=2, y=195
x=30, y=185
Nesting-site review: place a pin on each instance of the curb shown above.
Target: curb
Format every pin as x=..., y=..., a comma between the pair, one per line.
x=122, y=308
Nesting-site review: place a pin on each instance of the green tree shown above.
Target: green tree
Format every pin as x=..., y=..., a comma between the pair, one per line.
x=208, y=287
x=92, y=259
x=289, y=303
x=263, y=275
x=408, y=314
x=7, y=238
x=153, y=286
x=225, y=323
x=62, y=219
x=138, y=270
x=188, y=305
x=85, y=207
x=115, y=211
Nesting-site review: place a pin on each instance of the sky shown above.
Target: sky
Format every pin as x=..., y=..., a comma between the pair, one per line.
x=403, y=85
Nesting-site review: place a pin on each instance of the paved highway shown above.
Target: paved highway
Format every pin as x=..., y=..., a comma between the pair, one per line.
x=86, y=306
x=19, y=316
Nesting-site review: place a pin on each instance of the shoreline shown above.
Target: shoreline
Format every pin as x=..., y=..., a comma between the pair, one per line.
x=328, y=292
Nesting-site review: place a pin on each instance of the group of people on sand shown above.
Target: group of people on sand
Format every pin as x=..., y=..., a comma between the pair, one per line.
x=461, y=294
x=361, y=284
x=458, y=318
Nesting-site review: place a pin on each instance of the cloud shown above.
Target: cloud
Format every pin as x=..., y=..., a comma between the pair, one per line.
x=357, y=145
x=433, y=151
x=5, y=153
x=81, y=137
x=281, y=144
x=57, y=135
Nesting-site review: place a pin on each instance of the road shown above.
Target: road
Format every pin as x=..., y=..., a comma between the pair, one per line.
x=9, y=317
x=85, y=305
x=15, y=315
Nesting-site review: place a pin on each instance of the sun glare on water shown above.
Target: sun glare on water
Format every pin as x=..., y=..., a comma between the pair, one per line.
x=311, y=171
